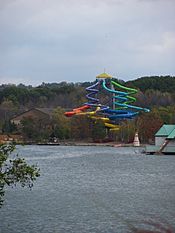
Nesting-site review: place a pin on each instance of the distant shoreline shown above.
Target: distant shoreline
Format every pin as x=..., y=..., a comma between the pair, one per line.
x=112, y=144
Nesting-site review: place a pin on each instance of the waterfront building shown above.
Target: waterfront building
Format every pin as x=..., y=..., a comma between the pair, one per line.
x=164, y=141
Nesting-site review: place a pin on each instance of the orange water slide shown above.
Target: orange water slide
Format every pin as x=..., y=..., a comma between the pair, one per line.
x=76, y=111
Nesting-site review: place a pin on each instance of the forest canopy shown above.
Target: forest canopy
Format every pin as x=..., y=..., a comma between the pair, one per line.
x=154, y=92
x=68, y=95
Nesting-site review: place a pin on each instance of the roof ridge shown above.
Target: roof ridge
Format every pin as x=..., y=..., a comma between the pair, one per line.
x=165, y=130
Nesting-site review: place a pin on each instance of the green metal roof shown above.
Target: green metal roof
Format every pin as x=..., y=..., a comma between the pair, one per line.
x=165, y=130
x=171, y=135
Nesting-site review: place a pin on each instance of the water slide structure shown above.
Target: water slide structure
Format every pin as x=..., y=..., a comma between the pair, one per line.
x=120, y=105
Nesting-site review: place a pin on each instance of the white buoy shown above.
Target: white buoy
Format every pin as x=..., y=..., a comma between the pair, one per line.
x=136, y=140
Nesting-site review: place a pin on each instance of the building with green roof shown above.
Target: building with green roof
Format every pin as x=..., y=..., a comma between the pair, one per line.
x=165, y=132
x=164, y=140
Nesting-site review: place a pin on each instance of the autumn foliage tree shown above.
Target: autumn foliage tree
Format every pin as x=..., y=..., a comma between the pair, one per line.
x=148, y=124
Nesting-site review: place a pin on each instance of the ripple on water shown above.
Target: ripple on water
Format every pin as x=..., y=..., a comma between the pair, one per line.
x=92, y=189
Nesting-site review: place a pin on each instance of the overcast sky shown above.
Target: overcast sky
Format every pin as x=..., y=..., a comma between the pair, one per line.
x=74, y=40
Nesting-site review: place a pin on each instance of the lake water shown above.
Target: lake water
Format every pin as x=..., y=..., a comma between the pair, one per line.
x=92, y=189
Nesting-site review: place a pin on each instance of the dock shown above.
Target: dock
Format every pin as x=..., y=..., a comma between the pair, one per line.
x=152, y=149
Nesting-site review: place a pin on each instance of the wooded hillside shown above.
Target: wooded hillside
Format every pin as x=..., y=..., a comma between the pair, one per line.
x=160, y=83
x=68, y=95
x=156, y=93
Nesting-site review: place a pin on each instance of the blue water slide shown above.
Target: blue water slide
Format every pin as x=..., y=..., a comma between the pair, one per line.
x=131, y=106
x=121, y=96
x=121, y=93
x=127, y=115
x=122, y=100
x=120, y=114
x=92, y=92
x=113, y=111
x=92, y=100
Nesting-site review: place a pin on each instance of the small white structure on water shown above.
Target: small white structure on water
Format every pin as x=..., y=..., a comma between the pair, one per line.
x=136, y=140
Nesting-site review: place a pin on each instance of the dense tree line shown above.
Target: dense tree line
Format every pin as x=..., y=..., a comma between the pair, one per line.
x=46, y=95
x=156, y=93
x=160, y=83
x=68, y=95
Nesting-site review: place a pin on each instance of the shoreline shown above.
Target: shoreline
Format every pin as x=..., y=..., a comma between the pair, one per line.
x=112, y=144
